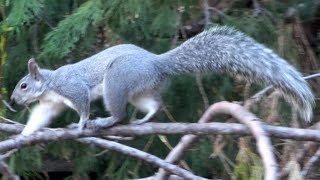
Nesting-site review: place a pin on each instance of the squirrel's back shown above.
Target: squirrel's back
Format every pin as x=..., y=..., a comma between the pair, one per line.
x=92, y=69
x=226, y=50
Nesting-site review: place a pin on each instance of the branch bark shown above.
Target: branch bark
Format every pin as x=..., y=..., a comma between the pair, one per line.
x=309, y=165
x=46, y=135
x=264, y=145
x=4, y=169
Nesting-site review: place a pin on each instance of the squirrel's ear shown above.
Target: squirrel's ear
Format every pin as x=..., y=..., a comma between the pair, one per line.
x=34, y=69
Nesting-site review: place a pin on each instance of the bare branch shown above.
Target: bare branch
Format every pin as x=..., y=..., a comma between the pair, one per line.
x=6, y=104
x=184, y=144
x=10, y=121
x=238, y=112
x=263, y=142
x=203, y=94
x=158, y=128
x=235, y=110
x=257, y=7
x=141, y=155
x=177, y=153
x=206, y=13
x=5, y=171
x=255, y=98
x=312, y=76
x=309, y=165
x=11, y=128
x=219, y=12
x=151, y=128
x=8, y=154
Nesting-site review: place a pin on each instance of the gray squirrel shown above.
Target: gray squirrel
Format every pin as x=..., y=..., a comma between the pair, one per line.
x=127, y=73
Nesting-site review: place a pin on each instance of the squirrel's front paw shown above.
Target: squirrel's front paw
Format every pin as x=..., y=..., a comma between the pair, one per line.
x=72, y=126
x=137, y=121
x=82, y=125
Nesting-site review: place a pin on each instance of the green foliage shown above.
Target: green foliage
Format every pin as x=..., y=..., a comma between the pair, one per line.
x=23, y=12
x=33, y=156
x=63, y=38
x=260, y=28
x=249, y=165
x=161, y=25
x=64, y=31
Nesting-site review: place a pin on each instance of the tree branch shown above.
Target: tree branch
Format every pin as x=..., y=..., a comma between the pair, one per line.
x=264, y=145
x=46, y=135
x=201, y=128
x=4, y=169
x=309, y=165
x=141, y=155
x=255, y=98
x=184, y=144
x=150, y=128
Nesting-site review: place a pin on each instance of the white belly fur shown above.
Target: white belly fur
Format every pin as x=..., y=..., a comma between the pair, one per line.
x=50, y=106
x=55, y=98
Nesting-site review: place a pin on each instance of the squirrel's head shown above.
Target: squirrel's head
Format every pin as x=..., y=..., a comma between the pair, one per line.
x=30, y=87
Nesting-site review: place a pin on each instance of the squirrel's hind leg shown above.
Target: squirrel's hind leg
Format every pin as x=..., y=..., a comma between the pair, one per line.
x=149, y=104
x=115, y=100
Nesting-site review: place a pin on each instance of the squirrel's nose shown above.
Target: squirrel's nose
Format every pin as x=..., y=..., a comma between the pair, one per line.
x=12, y=101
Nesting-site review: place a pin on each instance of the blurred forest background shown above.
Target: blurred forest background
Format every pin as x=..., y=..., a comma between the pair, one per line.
x=58, y=32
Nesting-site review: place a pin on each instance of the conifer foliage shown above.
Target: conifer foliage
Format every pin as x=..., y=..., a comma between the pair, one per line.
x=57, y=32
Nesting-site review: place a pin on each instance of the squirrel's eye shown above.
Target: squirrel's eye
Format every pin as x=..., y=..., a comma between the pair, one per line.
x=23, y=86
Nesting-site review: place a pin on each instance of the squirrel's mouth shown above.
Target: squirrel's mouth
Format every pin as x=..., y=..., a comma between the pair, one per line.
x=21, y=101
x=13, y=105
x=27, y=102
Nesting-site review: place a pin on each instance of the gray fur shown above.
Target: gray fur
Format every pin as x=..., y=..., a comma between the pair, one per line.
x=131, y=74
x=225, y=50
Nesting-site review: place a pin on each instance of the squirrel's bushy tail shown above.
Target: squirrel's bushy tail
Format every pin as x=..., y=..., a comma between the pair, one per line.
x=225, y=50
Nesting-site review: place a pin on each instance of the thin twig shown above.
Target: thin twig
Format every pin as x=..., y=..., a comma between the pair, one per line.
x=255, y=98
x=8, y=105
x=101, y=153
x=206, y=13
x=221, y=13
x=45, y=20
x=219, y=144
x=204, y=96
x=312, y=76
x=11, y=121
x=119, y=138
x=179, y=12
x=8, y=154
x=257, y=7
x=167, y=113
x=4, y=169
x=6, y=172
x=145, y=149
x=309, y=165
